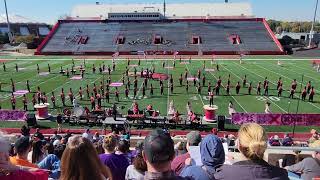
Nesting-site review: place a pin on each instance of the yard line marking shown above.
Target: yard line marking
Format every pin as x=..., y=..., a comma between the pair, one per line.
x=275, y=84
x=255, y=88
x=314, y=105
x=195, y=87
x=66, y=82
x=31, y=87
x=303, y=74
x=231, y=95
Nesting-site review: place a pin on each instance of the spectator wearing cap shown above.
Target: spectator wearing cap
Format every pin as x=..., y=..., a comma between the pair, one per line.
x=9, y=171
x=309, y=167
x=117, y=163
x=139, y=166
x=252, y=145
x=193, y=139
x=212, y=156
x=52, y=161
x=22, y=148
x=38, y=135
x=158, y=154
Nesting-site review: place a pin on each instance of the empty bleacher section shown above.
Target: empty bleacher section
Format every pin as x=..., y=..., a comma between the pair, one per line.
x=213, y=36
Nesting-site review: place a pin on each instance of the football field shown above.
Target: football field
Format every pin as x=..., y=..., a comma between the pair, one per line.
x=255, y=70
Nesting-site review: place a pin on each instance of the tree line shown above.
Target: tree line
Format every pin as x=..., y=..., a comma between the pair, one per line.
x=296, y=27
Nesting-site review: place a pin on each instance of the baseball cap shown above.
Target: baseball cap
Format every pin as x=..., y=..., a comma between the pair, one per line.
x=22, y=144
x=194, y=138
x=158, y=147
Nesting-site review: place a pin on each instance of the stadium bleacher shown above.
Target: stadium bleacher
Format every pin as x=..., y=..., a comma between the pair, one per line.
x=176, y=35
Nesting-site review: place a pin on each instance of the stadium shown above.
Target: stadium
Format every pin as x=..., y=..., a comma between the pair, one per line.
x=209, y=83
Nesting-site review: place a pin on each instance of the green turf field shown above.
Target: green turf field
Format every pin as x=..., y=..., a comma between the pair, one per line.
x=256, y=70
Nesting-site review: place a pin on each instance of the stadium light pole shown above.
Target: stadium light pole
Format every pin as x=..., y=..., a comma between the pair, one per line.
x=298, y=104
x=313, y=22
x=10, y=35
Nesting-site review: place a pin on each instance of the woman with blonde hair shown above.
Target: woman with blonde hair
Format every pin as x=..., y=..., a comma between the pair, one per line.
x=252, y=143
x=80, y=161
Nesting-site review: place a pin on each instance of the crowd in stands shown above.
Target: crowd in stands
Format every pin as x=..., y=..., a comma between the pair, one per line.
x=92, y=156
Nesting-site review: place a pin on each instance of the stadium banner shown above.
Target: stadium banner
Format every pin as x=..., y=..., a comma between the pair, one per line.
x=276, y=119
x=12, y=115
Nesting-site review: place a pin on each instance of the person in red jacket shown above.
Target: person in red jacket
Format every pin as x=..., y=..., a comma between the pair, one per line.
x=92, y=101
x=304, y=94
x=70, y=94
x=53, y=100
x=117, y=94
x=63, y=97
x=25, y=103
x=80, y=92
x=311, y=94
x=238, y=88
x=13, y=101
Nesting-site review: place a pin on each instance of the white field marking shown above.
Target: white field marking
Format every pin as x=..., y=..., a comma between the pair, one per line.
x=125, y=59
x=303, y=74
x=231, y=95
x=276, y=84
x=39, y=83
x=195, y=87
x=33, y=77
x=66, y=82
x=139, y=89
x=278, y=73
x=255, y=88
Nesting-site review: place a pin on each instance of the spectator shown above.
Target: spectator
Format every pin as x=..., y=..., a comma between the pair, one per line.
x=291, y=159
x=252, y=145
x=212, y=156
x=117, y=163
x=55, y=136
x=124, y=149
x=97, y=137
x=314, y=137
x=25, y=131
x=80, y=161
x=10, y=172
x=180, y=148
x=87, y=134
x=137, y=169
x=158, y=153
x=287, y=140
x=309, y=167
x=193, y=139
x=98, y=147
x=274, y=141
x=22, y=148
x=38, y=152
x=52, y=162
x=38, y=135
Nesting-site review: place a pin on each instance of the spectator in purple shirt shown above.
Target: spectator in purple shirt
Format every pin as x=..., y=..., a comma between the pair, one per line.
x=117, y=163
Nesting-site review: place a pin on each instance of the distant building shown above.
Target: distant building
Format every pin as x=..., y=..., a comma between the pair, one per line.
x=172, y=10
x=300, y=37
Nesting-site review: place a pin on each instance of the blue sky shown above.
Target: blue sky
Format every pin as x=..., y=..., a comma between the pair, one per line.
x=50, y=10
